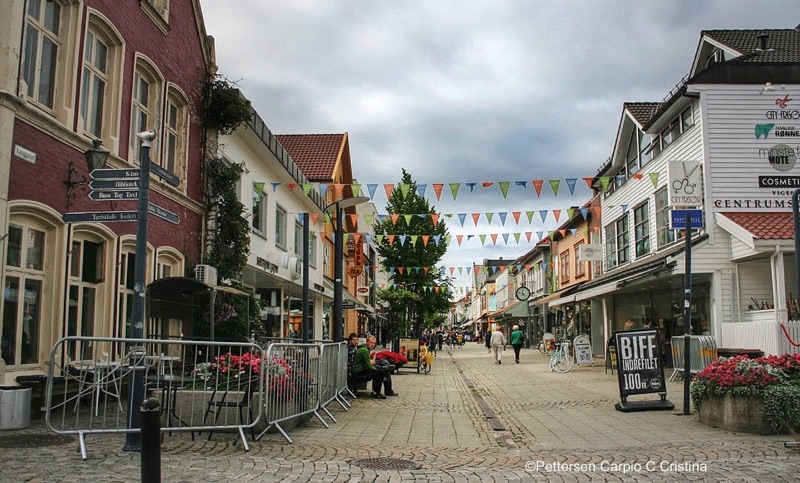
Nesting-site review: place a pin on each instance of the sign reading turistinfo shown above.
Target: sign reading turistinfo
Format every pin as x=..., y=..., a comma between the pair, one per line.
x=640, y=370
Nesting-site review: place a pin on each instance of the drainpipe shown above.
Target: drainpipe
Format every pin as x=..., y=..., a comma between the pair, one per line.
x=778, y=284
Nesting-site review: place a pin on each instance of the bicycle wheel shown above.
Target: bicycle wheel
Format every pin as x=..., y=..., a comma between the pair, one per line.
x=563, y=362
x=541, y=347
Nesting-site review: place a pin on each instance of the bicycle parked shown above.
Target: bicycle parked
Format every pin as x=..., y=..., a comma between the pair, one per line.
x=562, y=359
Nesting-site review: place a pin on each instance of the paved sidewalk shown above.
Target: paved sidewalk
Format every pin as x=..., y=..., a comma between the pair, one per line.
x=468, y=420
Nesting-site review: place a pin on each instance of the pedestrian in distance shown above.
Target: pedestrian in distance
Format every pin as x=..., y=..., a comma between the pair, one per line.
x=517, y=339
x=498, y=345
x=488, y=340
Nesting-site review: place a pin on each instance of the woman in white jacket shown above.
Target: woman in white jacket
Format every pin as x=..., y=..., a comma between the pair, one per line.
x=498, y=345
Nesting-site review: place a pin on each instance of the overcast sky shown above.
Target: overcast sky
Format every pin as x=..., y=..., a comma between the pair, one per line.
x=469, y=91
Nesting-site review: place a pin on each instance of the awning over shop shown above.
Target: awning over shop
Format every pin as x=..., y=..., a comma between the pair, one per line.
x=517, y=309
x=555, y=296
x=596, y=291
x=466, y=324
x=567, y=299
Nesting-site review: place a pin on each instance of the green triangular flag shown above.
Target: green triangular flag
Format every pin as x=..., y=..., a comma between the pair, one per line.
x=454, y=189
x=504, y=187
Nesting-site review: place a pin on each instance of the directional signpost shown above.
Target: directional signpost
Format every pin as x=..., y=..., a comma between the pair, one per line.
x=99, y=217
x=163, y=213
x=165, y=175
x=122, y=185
x=120, y=195
x=114, y=184
x=111, y=173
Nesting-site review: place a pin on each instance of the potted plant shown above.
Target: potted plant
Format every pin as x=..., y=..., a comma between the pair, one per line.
x=749, y=395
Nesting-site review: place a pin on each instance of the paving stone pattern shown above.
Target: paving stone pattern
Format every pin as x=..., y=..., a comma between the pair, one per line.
x=555, y=427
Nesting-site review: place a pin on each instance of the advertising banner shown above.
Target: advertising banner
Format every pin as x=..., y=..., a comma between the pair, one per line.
x=410, y=349
x=639, y=369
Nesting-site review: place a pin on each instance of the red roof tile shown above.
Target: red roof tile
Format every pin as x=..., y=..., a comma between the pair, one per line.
x=315, y=154
x=765, y=226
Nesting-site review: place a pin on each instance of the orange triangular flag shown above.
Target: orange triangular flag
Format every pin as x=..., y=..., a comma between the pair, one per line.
x=395, y=216
x=475, y=217
x=516, y=215
x=425, y=240
x=437, y=188
x=537, y=184
x=435, y=218
x=388, y=188
x=459, y=238
x=390, y=238
x=557, y=213
x=314, y=218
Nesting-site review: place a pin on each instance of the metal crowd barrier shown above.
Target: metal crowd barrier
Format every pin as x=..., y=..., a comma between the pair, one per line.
x=329, y=389
x=202, y=386
x=292, y=383
x=703, y=351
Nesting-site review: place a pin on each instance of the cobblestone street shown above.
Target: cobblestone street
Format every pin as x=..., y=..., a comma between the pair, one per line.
x=468, y=420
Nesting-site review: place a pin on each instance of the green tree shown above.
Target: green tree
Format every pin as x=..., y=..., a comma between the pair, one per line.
x=423, y=292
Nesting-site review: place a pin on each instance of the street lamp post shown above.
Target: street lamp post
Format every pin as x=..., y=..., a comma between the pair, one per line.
x=133, y=440
x=338, y=261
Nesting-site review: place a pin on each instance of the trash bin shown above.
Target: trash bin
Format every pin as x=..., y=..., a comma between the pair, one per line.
x=15, y=407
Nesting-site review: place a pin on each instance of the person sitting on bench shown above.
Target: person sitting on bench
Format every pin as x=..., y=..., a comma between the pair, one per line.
x=364, y=366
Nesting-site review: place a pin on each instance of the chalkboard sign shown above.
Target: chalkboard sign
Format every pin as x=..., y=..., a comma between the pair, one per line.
x=639, y=362
x=639, y=367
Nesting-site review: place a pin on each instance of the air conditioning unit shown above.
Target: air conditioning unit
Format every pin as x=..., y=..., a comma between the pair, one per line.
x=206, y=274
x=295, y=268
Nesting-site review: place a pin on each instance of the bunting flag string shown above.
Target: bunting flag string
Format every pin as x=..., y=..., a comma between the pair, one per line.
x=421, y=188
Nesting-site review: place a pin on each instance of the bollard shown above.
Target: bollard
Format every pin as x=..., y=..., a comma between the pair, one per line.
x=151, y=441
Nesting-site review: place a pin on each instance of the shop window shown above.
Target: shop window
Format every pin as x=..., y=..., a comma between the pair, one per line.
x=641, y=228
x=664, y=233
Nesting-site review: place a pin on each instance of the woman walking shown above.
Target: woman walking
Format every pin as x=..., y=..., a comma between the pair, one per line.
x=517, y=338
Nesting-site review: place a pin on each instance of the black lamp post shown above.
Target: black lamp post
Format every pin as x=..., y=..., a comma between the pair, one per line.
x=338, y=261
x=133, y=440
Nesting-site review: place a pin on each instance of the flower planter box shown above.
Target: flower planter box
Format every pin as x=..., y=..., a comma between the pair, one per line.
x=741, y=414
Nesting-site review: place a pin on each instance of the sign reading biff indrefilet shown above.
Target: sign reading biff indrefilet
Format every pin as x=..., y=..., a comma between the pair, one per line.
x=640, y=370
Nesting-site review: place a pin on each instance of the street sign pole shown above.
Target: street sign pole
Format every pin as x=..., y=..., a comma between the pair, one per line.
x=687, y=318
x=133, y=440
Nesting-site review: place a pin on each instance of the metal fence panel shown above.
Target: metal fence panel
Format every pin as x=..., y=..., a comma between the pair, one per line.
x=202, y=386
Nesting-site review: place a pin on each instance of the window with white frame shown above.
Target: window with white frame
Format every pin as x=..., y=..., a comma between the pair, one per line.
x=312, y=249
x=298, y=236
x=580, y=265
x=563, y=267
x=41, y=50
x=664, y=233
x=25, y=274
x=100, y=77
x=280, y=227
x=687, y=119
x=168, y=264
x=127, y=267
x=176, y=133
x=145, y=110
x=259, y=207
x=86, y=268
x=641, y=229
x=617, y=242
